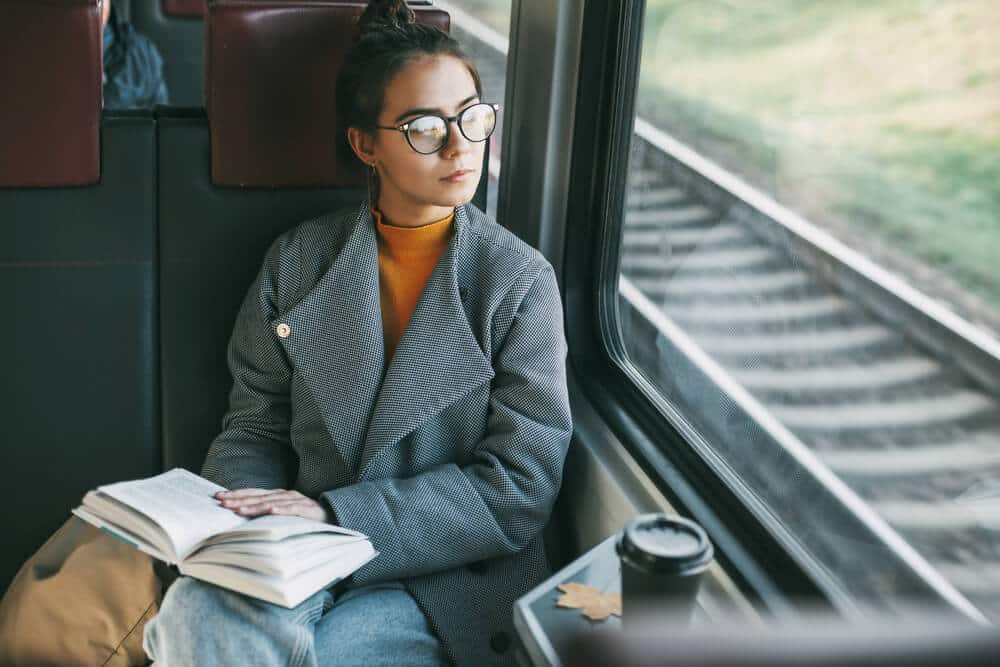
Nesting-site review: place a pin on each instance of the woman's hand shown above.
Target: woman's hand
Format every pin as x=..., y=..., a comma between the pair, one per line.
x=255, y=502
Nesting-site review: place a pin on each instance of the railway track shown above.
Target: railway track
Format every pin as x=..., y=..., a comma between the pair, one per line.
x=912, y=435
x=898, y=401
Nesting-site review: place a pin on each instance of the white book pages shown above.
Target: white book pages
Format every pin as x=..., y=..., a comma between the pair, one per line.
x=122, y=534
x=275, y=590
x=287, y=548
x=135, y=523
x=181, y=503
x=284, y=568
x=274, y=527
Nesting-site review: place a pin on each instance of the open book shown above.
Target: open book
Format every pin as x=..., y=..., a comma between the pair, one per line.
x=175, y=518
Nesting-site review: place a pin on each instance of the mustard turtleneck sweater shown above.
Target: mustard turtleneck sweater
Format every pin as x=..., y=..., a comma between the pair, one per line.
x=406, y=259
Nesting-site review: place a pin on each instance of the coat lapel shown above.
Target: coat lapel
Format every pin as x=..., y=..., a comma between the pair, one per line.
x=438, y=359
x=335, y=339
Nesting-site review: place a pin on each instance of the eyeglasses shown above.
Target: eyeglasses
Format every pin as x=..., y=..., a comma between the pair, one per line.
x=430, y=133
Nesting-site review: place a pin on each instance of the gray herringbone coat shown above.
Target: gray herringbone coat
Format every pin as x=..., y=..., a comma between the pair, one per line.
x=451, y=457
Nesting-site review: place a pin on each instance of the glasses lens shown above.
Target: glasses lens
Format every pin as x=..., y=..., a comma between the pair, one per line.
x=427, y=134
x=477, y=122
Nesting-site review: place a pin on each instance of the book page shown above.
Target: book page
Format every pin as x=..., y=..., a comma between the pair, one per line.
x=273, y=527
x=286, y=593
x=120, y=533
x=281, y=550
x=283, y=564
x=124, y=519
x=181, y=503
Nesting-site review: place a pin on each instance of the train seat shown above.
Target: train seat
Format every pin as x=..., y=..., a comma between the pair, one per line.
x=49, y=126
x=269, y=91
x=177, y=28
x=228, y=188
x=77, y=248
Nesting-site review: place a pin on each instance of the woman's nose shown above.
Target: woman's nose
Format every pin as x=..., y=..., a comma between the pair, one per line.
x=457, y=143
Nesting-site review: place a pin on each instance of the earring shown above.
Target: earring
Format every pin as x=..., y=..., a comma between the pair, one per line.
x=372, y=185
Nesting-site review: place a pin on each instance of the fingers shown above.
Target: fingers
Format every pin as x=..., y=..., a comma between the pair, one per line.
x=259, y=508
x=306, y=507
x=303, y=507
x=258, y=502
x=245, y=493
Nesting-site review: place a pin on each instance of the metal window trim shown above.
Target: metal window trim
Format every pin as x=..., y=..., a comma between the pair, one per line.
x=540, y=106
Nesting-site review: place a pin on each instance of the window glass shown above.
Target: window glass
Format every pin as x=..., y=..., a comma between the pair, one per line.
x=810, y=274
x=482, y=27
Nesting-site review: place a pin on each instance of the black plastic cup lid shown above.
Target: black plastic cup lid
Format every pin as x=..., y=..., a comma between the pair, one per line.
x=663, y=543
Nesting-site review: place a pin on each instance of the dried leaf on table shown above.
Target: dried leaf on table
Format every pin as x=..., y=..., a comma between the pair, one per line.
x=596, y=605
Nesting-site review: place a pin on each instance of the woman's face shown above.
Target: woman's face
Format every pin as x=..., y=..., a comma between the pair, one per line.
x=416, y=189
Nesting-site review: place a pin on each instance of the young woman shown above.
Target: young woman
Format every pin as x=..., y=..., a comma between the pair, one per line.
x=398, y=369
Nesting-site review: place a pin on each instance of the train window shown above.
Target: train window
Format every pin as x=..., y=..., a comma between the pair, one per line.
x=809, y=277
x=481, y=28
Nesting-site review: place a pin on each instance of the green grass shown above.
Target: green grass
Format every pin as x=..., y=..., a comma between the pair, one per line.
x=884, y=115
x=942, y=202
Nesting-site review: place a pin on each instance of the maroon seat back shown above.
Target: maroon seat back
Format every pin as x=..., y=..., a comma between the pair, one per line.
x=51, y=83
x=270, y=74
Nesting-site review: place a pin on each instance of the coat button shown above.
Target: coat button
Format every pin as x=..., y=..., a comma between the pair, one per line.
x=478, y=567
x=283, y=330
x=499, y=642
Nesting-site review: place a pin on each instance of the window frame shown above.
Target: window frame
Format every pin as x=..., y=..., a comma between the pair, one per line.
x=766, y=560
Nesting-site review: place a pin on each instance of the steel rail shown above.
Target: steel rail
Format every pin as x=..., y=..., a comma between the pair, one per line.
x=787, y=440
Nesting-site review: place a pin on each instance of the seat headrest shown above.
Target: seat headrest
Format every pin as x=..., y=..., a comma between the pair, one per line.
x=270, y=79
x=51, y=83
x=183, y=7
x=198, y=7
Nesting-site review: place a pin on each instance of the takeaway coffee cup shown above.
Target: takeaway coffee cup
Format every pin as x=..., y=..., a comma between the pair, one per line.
x=663, y=558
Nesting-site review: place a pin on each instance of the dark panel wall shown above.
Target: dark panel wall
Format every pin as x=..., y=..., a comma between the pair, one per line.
x=79, y=389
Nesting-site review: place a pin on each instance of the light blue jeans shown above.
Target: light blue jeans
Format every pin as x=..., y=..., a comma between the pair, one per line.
x=380, y=624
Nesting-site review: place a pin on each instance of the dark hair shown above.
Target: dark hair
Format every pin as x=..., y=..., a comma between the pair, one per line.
x=389, y=38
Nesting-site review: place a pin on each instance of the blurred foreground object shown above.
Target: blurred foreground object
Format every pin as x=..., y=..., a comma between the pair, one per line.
x=929, y=641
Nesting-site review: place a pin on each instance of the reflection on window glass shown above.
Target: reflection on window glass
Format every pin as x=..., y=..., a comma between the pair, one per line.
x=481, y=28
x=810, y=273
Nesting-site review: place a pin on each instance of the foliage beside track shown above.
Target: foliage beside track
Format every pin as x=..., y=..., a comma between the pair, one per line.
x=884, y=116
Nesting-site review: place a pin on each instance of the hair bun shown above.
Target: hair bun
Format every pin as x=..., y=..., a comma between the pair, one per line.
x=385, y=12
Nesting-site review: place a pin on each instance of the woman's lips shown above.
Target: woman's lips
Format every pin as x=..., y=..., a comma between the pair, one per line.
x=459, y=175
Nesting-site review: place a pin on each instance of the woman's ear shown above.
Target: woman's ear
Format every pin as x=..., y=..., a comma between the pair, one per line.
x=362, y=144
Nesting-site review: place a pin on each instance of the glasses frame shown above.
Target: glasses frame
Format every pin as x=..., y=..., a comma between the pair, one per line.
x=448, y=120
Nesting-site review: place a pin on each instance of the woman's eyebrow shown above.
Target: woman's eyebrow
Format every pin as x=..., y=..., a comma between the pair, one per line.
x=420, y=112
